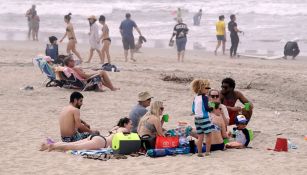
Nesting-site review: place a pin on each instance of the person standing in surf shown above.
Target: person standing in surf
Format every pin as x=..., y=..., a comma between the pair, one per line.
x=180, y=31
x=233, y=28
x=220, y=34
x=72, y=41
x=30, y=14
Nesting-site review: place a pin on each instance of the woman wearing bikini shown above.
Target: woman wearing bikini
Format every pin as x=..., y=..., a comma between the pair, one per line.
x=70, y=33
x=106, y=41
x=93, y=142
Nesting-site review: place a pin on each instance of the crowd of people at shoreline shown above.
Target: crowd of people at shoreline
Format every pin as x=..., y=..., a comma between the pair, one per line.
x=213, y=111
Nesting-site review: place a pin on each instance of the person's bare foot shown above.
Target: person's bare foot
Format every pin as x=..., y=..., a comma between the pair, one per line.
x=200, y=155
x=207, y=154
x=215, y=53
x=44, y=147
x=87, y=62
x=115, y=89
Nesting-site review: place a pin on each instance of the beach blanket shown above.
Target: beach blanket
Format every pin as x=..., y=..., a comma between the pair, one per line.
x=102, y=154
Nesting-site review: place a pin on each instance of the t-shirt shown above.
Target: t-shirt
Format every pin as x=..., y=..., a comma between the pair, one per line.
x=135, y=115
x=180, y=30
x=200, y=107
x=231, y=27
x=220, y=28
x=127, y=28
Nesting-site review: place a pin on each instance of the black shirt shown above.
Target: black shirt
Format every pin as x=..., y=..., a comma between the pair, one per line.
x=231, y=27
x=180, y=30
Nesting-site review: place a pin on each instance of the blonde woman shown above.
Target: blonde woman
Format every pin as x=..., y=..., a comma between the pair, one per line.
x=70, y=33
x=151, y=124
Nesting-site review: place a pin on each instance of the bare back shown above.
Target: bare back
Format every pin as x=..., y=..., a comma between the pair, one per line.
x=105, y=31
x=67, y=121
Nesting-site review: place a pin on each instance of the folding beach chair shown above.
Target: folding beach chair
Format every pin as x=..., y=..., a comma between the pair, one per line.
x=92, y=83
x=47, y=70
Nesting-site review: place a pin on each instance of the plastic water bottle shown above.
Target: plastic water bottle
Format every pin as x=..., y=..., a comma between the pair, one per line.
x=183, y=150
x=156, y=152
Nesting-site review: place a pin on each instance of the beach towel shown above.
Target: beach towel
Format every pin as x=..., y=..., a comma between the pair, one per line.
x=102, y=154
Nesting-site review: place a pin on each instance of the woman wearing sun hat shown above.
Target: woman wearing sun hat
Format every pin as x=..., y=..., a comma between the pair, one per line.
x=94, y=38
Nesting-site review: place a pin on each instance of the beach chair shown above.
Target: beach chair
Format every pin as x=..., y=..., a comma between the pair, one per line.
x=72, y=82
x=47, y=70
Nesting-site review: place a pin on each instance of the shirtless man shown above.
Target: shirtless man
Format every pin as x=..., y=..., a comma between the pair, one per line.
x=30, y=15
x=229, y=97
x=81, y=75
x=72, y=128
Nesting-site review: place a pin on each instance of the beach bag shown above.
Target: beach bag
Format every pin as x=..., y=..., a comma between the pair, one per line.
x=171, y=43
x=109, y=67
x=126, y=143
x=148, y=142
x=167, y=142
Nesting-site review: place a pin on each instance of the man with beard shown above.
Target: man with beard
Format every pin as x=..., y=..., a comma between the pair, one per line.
x=229, y=97
x=72, y=128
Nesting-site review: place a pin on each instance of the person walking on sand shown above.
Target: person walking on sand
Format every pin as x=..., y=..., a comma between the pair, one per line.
x=180, y=31
x=197, y=17
x=72, y=40
x=220, y=34
x=35, y=26
x=29, y=15
x=94, y=39
x=126, y=30
x=106, y=40
x=233, y=28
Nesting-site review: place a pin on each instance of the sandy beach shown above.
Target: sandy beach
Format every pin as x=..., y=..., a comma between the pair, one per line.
x=278, y=91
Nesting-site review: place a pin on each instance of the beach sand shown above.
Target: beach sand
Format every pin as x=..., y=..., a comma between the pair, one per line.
x=28, y=117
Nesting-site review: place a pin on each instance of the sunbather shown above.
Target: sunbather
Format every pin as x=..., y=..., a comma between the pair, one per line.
x=93, y=142
x=81, y=75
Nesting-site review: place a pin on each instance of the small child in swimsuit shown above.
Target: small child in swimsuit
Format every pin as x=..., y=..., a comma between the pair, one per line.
x=201, y=116
x=240, y=133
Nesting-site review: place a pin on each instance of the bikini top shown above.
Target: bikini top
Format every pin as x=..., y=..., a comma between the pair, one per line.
x=150, y=127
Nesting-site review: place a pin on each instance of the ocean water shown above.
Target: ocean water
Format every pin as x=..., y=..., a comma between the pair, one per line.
x=267, y=24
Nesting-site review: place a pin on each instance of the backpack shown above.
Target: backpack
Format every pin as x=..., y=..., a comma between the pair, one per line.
x=109, y=67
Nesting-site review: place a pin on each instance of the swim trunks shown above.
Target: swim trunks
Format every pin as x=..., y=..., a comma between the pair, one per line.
x=76, y=137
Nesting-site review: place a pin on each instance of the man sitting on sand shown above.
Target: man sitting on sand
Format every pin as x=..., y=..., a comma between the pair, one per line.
x=229, y=97
x=81, y=75
x=138, y=111
x=72, y=128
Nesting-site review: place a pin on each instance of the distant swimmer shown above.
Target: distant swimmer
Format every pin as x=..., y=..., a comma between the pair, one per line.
x=30, y=14
x=232, y=27
x=197, y=17
x=180, y=31
x=72, y=40
x=220, y=34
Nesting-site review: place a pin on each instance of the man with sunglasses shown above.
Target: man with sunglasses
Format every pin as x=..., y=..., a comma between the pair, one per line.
x=138, y=111
x=229, y=97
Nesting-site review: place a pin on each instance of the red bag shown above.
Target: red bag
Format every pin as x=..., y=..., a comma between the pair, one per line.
x=167, y=142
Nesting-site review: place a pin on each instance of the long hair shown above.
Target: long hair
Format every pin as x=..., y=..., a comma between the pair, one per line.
x=68, y=17
x=155, y=108
x=123, y=121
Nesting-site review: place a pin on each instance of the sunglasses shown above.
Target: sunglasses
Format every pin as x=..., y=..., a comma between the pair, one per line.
x=214, y=96
x=207, y=87
x=224, y=87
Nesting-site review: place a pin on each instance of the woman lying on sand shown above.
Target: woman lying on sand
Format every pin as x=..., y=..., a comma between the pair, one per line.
x=93, y=142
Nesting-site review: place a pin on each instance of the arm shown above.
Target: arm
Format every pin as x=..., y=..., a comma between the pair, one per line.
x=174, y=33
x=242, y=98
x=81, y=73
x=158, y=127
x=223, y=130
x=237, y=30
x=138, y=30
x=78, y=123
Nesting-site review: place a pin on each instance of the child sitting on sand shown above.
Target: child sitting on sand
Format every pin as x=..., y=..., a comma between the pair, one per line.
x=200, y=110
x=240, y=133
x=52, y=50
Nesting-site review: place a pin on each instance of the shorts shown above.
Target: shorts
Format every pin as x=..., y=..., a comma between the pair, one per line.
x=203, y=125
x=181, y=42
x=220, y=37
x=76, y=137
x=128, y=43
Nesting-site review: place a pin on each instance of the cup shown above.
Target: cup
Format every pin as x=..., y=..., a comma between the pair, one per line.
x=165, y=117
x=247, y=106
x=211, y=104
x=226, y=141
